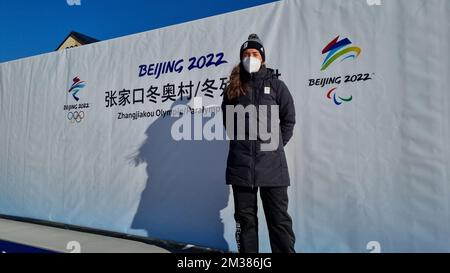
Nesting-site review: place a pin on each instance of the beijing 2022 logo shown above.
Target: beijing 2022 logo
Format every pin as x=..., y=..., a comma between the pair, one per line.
x=75, y=112
x=339, y=50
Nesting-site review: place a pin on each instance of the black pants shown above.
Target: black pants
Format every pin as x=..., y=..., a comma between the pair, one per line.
x=279, y=223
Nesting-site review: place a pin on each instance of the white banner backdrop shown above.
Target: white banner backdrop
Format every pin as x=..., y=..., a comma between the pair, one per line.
x=369, y=160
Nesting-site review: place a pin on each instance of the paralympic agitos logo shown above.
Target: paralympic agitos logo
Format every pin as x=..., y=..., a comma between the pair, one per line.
x=342, y=50
x=76, y=112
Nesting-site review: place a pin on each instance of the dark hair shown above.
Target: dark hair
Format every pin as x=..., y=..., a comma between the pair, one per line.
x=238, y=82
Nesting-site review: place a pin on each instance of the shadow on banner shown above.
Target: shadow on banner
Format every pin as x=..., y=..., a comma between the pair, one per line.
x=185, y=190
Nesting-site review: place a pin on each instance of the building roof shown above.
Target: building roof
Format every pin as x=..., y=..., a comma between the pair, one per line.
x=81, y=38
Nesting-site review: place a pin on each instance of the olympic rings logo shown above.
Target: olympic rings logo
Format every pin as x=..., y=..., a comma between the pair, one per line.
x=75, y=116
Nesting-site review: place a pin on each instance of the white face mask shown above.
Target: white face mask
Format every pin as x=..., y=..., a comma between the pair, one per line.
x=251, y=64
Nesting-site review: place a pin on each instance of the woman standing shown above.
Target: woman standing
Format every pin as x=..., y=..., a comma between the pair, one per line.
x=249, y=167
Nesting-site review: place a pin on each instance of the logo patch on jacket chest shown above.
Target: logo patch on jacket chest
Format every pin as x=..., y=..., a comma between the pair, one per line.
x=266, y=90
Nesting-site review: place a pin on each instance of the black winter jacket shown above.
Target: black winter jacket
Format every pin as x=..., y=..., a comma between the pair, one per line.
x=247, y=164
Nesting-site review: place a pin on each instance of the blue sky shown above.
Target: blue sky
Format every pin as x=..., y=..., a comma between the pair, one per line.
x=32, y=27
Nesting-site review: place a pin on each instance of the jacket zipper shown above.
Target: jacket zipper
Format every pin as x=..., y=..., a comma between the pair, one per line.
x=254, y=141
